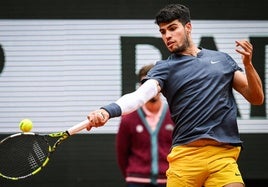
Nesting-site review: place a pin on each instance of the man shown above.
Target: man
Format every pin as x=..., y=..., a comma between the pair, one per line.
x=143, y=142
x=198, y=86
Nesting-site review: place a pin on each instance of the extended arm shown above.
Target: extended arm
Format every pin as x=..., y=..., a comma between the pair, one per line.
x=124, y=105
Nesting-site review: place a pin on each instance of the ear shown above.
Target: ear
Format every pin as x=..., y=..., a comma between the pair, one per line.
x=188, y=27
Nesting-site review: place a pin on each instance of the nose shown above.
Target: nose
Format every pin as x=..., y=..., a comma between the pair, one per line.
x=168, y=35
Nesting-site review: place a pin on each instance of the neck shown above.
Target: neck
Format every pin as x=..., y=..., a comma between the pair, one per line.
x=191, y=51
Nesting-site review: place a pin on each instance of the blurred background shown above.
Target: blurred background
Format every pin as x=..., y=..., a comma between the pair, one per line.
x=61, y=59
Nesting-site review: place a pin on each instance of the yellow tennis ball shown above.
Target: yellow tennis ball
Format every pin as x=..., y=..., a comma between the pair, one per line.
x=26, y=125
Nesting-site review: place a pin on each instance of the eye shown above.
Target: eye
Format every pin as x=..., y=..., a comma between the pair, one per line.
x=173, y=28
x=162, y=32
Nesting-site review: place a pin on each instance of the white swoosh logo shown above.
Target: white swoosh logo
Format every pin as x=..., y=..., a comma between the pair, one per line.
x=214, y=62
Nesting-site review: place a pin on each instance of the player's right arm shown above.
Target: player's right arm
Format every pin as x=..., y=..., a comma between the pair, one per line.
x=125, y=104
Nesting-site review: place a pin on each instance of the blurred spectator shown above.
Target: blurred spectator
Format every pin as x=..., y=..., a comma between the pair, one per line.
x=144, y=141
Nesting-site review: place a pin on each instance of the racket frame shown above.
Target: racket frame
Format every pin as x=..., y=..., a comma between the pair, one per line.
x=51, y=148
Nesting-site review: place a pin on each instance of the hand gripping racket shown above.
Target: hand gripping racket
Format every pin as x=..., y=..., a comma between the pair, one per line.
x=25, y=154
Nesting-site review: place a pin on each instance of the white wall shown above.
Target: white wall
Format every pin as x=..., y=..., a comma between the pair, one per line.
x=56, y=71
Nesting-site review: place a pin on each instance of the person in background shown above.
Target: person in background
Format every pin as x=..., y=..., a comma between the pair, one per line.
x=144, y=140
x=198, y=84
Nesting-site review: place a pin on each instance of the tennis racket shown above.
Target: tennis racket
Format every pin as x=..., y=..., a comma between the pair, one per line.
x=25, y=154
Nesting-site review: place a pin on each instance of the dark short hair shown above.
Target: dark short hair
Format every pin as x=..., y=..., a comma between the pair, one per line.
x=173, y=12
x=144, y=70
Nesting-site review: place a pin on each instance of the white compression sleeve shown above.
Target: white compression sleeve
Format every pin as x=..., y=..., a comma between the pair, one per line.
x=132, y=101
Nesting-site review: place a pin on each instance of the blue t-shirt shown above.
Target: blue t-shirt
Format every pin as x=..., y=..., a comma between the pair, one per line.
x=200, y=97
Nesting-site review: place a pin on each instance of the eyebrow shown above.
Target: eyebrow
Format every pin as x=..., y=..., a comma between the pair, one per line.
x=168, y=27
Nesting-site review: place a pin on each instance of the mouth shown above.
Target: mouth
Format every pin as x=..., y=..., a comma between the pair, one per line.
x=170, y=44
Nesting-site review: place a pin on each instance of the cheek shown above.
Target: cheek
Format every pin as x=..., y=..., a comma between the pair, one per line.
x=181, y=36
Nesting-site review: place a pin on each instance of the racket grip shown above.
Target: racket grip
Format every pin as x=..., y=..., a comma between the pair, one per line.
x=78, y=127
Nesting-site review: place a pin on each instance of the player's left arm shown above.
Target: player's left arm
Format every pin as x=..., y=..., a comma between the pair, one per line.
x=248, y=84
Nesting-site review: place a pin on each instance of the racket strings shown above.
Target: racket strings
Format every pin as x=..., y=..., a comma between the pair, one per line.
x=37, y=156
x=22, y=155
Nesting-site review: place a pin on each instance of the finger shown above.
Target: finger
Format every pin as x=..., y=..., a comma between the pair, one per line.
x=246, y=45
x=97, y=118
x=101, y=116
x=89, y=128
x=92, y=119
x=242, y=52
x=89, y=125
x=244, y=48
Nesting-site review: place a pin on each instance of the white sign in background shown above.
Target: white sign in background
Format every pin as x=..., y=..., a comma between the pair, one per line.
x=56, y=71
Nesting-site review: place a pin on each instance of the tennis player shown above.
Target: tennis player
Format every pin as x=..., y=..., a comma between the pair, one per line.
x=198, y=84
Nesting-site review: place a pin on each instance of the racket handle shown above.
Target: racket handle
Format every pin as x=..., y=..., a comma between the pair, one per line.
x=78, y=127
